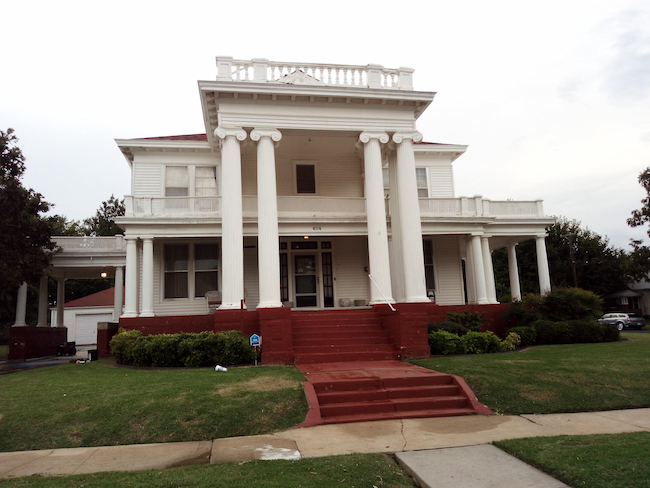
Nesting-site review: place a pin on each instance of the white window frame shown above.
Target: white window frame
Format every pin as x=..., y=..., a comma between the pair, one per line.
x=426, y=175
x=191, y=172
x=295, y=176
x=191, y=271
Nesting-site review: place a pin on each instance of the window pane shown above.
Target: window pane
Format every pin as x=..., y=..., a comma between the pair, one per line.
x=308, y=301
x=421, y=177
x=423, y=193
x=305, y=284
x=206, y=181
x=176, y=285
x=305, y=178
x=205, y=281
x=177, y=181
x=427, y=246
x=176, y=257
x=206, y=257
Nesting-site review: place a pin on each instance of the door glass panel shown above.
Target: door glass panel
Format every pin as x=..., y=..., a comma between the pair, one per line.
x=328, y=280
x=305, y=280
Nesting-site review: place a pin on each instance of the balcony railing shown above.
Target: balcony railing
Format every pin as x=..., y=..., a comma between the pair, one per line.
x=332, y=207
x=265, y=71
x=478, y=207
x=90, y=244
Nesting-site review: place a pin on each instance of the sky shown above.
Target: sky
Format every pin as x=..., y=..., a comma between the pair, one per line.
x=552, y=98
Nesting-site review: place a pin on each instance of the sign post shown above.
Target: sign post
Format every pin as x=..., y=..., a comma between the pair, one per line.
x=256, y=342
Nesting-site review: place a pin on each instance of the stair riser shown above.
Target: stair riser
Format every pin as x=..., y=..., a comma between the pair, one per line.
x=340, y=341
x=348, y=386
x=344, y=357
x=424, y=392
x=358, y=348
x=355, y=409
x=430, y=393
x=428, y=380
x=416, y=414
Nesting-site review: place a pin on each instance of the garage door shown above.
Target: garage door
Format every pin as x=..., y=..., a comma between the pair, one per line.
x=86, y=327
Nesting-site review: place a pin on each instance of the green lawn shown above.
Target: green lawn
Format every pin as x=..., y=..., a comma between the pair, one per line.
x=4, y=352
x=355, y=470
x=99, y=404
x=559, y=378
x=594, y=461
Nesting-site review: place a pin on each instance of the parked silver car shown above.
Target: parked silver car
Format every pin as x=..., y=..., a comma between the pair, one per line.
x=623, y=320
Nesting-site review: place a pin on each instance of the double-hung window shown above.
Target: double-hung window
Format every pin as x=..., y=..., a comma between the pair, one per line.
x=422, y=183
x=205, y=188
x=305, y=178
x=190, y=269
x=177, y=181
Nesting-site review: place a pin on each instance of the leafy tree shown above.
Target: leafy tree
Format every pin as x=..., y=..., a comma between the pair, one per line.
x=103, y=222
x=598, y=266
x=61, y=226
x=25, y=244
x=639, y=262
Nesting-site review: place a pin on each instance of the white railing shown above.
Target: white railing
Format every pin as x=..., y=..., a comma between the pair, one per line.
x=149, y=206
x=322, y=205
x=99, y=244
x=478, y=207
x=265, y=71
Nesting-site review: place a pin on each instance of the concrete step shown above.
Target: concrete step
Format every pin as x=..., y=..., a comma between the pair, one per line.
x=330, y=341
x=326, y=396
x=309, y=358
x=343, y=348
x=396, y=406
x=414, y=414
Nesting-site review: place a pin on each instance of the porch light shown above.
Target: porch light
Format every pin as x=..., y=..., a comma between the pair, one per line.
x=103, y=274
x=306, y=237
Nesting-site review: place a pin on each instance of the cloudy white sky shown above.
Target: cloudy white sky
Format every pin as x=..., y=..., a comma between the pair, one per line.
x=553, y=98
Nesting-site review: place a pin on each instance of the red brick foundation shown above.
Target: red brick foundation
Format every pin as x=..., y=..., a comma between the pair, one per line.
x=408, y=327
x=105, y=332
x=35, y=342
x=492, y=312
x=277, y=335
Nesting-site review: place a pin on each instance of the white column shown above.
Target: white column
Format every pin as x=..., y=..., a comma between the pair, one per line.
x=542, y=265
x=376, y=217
x=42, y=302
x=231, y=217
x=119, y=293
x=415, y=287
x=267, y=218
x=513, y=270
x=131, y=284
x=60, y=301
x=147, y=277
x=395, y=245
x=469, y=272
x=21, y=305
x=489, y=270
x=479, y=271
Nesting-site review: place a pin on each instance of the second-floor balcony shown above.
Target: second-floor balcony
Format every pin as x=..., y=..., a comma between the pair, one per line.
x=330, y=207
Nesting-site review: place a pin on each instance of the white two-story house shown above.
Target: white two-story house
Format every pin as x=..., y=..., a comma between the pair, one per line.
x=311, y=189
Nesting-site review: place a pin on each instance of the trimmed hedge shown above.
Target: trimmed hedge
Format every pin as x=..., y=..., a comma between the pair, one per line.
x=443, y=342
x=480, y=342
x=178, y=350
x=448, y=326
x=527, y=335
x=574, y=331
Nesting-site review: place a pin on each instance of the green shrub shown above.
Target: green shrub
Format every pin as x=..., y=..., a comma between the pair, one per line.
x=192, y=350
x=527, y=335
x=122, y=345
x=571, y=304
x=480, y=342
x=549, y=332
x=453, y=327
x=522, y=314
x=586, y=331
x=610, y=333
x=469, y=320
x=4, y=335
x=511, y=342
x=443, y=342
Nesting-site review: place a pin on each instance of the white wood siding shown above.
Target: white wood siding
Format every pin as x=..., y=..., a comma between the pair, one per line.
x=350, y=256
x=448, y=270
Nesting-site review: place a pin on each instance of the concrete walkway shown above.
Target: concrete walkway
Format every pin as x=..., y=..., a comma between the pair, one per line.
x=425, y=447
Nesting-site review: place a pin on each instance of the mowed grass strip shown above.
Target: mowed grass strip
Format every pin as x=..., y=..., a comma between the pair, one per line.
x=595, y=461
x=558, y=378
x=100, y=404
x=354, y=470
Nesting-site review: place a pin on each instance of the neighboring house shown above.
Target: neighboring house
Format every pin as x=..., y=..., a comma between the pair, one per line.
x=311, y=189
x=82, y=315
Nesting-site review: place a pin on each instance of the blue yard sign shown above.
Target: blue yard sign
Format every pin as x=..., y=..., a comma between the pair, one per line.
x=255, y=340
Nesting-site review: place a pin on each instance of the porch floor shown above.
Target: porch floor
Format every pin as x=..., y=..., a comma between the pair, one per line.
x=357, y=391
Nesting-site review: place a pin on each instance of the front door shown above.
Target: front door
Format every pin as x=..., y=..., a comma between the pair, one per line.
x=306, y=280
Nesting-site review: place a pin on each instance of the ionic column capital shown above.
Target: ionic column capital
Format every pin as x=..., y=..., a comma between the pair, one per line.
x=223, y=132
x=258, y=133
x=366, y=136
x=413, y=135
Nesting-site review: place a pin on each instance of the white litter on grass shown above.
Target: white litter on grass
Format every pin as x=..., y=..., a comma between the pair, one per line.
x=270, y=453
x=220, y=368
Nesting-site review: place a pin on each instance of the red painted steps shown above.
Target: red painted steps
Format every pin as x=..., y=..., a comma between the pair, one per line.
x=386, y=390
x=340, y=335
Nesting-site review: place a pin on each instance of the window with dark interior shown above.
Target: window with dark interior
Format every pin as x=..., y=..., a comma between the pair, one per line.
x=305, y=178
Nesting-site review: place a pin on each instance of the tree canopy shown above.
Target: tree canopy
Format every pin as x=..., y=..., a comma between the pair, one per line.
x=639, y=261
x=103, y=222
x=25, y=244
x=598, y=266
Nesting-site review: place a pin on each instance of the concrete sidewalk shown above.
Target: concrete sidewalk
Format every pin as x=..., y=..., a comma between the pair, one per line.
x=421, y=443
